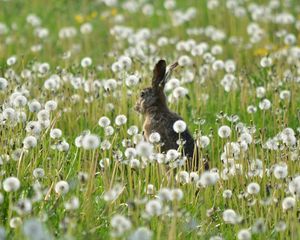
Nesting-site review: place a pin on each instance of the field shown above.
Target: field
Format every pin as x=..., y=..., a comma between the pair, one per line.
x=74, y=163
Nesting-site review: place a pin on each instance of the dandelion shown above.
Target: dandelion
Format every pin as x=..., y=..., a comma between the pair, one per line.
x=61, y=187
x=227, y=194
x=24, y=206
x=244, y=234
x=142, y=233
x=86, y=62
x=179, y=126
x=285, y=95
x=50, y=105
x=33, y=229
x=90, y=141
x=131, y=80
x=154, y=208
x=150, y=189
x=104, y=122
x=253, y=188
x=288, y=203
x=280, y=226
x=55, y=133
x=11, y=184
x=224, y=131
x=72, y=204
x=266, y=62
x=133, y=130
x=3, y=84
x=280, y=171
x=120, y=120
x=230, y=216
x=260, y=92
x=11, y=60
x=38, y=173
x=208, y=178
x=15, y=222
x=120, y=225
x=29, y=142
x=154, y=137
x=259, y=226
x=144, y=149
x=265, y=104
x=203, y=141
x=34, y=106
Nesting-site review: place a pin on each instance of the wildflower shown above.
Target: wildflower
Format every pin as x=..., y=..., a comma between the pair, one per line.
x=208, y=178
x=150, y=189
x=11, y=184
x=120, y=120
x=144, y=149
x=244, y=234
x=142, y=233
x=104, y=122
x=11, y=60
x=280, y=171
x=132, y=130
x=34, y=106
x=50, y=105
x=176, y=194
x=131, y=80
x=259, y=226
x=288, y=203
x=72, y=204
x=203, y=141
x=230, y=216
x=154, y=137
x=260, y=92
x=24, y=206
x=280, y=226
x=154, y=207
x=179, y=126
x=227, y=194
x=285, y=95
x=61, y=187
x=265, y=104
x=253, y=188
x=38, y=173
x=90, y=141
x=29, y=142
x=224, y=131
x=266, y=62
x=33, y=229
x=251, y=109
x=120, y=225
x=3, y=84
x=86, y=62
x=185, y=61
x=109, y=130
x=15, y=222
x=55, y=133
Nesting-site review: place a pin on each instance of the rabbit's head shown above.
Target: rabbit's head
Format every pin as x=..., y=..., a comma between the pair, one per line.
x=153, y=98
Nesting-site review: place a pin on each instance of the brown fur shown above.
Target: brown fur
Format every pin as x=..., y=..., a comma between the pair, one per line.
x=158, y=118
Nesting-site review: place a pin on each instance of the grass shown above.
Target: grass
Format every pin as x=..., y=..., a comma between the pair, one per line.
x=199, y=214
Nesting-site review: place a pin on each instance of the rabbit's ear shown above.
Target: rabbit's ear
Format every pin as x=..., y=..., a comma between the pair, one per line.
x=159, y=72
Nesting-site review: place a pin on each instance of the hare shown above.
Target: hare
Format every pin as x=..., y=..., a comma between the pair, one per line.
x=158, y=117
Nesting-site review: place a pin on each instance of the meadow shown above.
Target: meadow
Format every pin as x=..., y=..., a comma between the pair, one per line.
x=74, y=163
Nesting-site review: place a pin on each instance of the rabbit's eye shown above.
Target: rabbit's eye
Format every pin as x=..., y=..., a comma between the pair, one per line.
x=142, y=94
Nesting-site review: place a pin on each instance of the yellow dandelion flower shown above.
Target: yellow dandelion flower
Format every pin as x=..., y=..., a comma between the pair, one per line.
x=94, y=14
x=261, y=52
x=114, y=11
x=79, y=18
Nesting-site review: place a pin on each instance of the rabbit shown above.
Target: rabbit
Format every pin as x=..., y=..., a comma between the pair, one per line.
x=159, y=118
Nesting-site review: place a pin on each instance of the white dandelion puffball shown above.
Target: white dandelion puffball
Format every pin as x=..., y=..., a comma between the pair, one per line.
x=55, y=133
x=62, y=187
x=3, y=84
x=288, y=203
x=144, y=149
x=29, y=142
x=154, y=137
x=179, y=126
x=224, y=131
x=253, y=188
x=104, y=122
x=11, y=184
x=244, y=234
x=90, y=141
x=86, y=62
x=120, y=120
